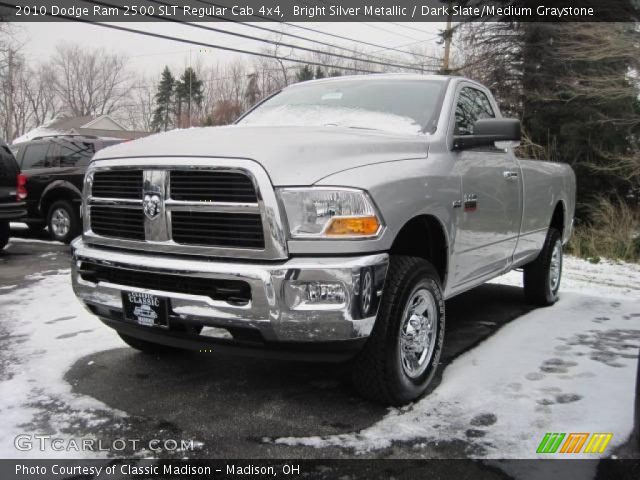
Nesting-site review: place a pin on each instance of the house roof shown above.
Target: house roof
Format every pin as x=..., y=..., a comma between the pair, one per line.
x=125, y=134
x=67, y=123
x=95, y=121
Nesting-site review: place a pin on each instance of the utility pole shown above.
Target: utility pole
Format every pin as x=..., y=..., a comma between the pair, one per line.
x=448, y=33
x=10, y=97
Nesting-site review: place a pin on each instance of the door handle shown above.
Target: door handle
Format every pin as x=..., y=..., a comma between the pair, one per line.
x=510, y=175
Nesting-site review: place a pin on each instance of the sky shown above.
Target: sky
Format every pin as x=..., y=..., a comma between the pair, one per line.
x=149, y=55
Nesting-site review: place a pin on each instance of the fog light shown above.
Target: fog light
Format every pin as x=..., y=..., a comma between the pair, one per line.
x=324, y=293
x=310, y=295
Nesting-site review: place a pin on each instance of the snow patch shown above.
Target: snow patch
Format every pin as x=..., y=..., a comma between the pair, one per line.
x=41, y=131
x=39, y=351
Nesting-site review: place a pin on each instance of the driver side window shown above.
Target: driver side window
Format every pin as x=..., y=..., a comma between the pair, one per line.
x=472, y=105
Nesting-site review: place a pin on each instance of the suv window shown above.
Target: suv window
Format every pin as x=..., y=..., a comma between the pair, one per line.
x=472, y=105
x=70, y=154
x=36, y=156
x=8, y=166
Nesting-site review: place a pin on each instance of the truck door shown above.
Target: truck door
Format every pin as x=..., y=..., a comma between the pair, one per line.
x=489, y=210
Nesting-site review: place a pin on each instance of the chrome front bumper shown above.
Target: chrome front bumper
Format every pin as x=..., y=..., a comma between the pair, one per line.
x=275, y=310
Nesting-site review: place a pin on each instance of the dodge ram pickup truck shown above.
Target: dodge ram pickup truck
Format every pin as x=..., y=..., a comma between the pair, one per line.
x=330, y=222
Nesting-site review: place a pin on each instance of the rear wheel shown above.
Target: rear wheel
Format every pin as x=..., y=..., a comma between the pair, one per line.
x=542, y=276
x=4, y=234
x=63, y=221
x=401, y=356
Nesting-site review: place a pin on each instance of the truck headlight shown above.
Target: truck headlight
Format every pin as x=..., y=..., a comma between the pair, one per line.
x=323, y=212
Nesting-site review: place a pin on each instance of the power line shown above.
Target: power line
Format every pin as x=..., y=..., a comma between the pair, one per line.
x=375, y=45
x=410, y=28
x=377, y=27
x=292, y=35
x=334, y=35
x=263, y=40
x=202, y=44
x=410, y=44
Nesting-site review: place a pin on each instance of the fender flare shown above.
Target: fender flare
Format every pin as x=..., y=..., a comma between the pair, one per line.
x=58, y=185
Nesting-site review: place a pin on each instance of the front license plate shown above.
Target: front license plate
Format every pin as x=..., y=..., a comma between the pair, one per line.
x=145, y=309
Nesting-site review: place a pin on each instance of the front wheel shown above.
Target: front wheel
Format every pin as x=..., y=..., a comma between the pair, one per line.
x=401, y=356
x=63, y=221
x=542, y=276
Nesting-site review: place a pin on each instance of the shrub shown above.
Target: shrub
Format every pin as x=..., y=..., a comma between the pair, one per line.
x=613, y=231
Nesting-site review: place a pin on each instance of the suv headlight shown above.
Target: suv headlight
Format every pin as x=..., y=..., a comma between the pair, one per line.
x=326, y=212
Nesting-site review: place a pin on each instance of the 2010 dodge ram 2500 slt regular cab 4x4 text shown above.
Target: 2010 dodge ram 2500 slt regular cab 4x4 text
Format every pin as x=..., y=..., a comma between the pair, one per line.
x=330, y=222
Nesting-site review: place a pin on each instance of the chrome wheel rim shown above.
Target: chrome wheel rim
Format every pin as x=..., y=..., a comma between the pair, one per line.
x=418, y=332
x=60, y=222
x=555, y=268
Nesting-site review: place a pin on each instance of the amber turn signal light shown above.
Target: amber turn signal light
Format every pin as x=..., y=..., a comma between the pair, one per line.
x=359, y=226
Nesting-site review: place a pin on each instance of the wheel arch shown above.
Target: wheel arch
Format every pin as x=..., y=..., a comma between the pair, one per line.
x=558, y=218
x=58, y=190
x=424, y=236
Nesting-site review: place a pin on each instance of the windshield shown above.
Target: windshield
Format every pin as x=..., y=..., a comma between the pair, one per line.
x=406, y=106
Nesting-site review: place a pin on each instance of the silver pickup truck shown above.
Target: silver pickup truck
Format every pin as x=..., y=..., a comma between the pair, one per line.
x=331, y=222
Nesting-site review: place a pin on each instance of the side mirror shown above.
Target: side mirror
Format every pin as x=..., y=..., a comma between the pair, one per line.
x=488, y=131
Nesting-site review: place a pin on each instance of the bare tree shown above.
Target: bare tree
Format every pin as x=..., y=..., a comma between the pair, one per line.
x=89, y=82
x=141, y=105
x=43, y=102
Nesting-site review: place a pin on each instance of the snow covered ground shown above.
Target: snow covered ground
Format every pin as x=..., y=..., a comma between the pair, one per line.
x=566, y=368
x=44, y=331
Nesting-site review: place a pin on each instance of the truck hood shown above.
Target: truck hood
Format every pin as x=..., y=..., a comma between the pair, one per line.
x=290, y=155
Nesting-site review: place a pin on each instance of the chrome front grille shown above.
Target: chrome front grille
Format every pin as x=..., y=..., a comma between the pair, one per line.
x=112, y=221
x=185, y=206
x=217, y=229
x=212, y=186
x=118, y=184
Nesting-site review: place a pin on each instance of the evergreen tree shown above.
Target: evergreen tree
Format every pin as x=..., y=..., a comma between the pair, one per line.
x=304, y=73
x=164, y=101
x=320, y=72
x=188, y=94
x=570, y=84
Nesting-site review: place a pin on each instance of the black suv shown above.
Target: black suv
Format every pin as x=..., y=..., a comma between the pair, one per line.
x=54, y=167
x=12, y=192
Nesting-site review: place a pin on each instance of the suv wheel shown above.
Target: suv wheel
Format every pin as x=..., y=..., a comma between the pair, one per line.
x=63, y=221
x=542, y=276
x=4, y=234
x=401, y=356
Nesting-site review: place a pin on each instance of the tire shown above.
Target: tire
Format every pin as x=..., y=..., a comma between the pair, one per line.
x=381, y=372
x=63, y=220
x=4, y=234
x=144, y=346
x=542, y=276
